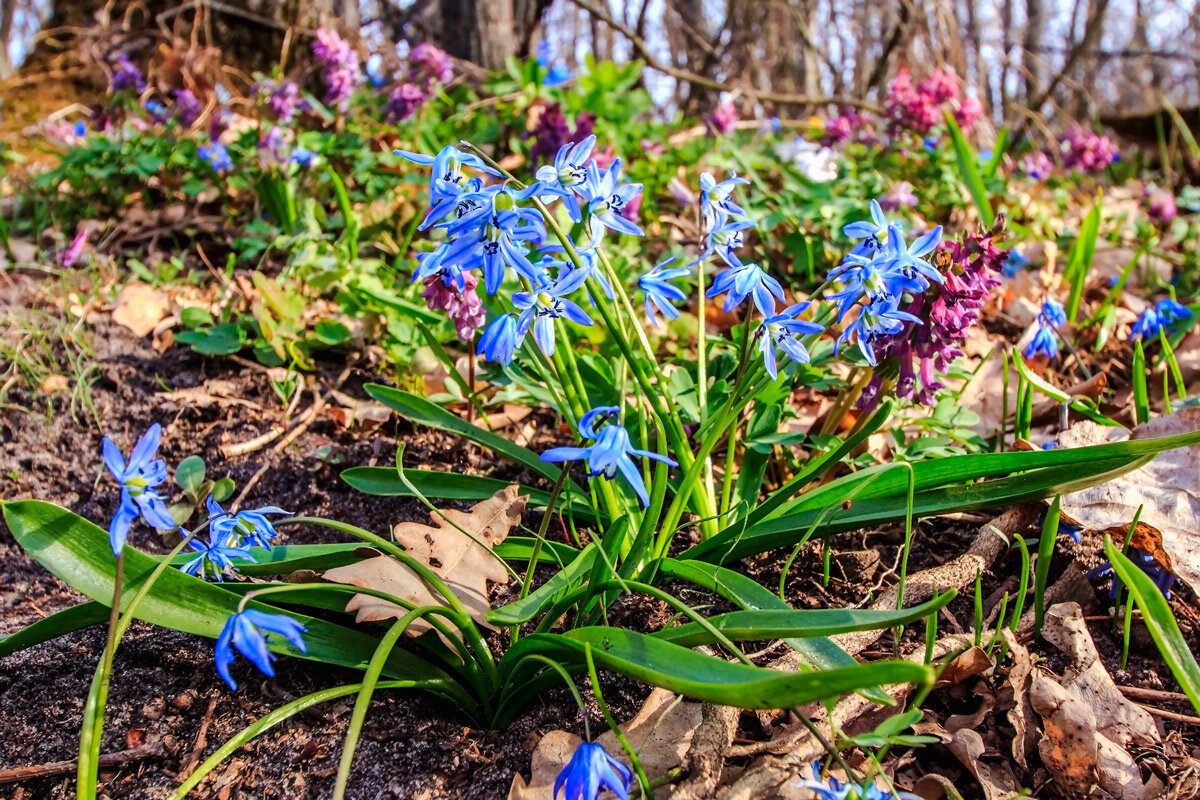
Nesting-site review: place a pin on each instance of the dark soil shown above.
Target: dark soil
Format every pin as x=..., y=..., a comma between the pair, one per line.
x=165, y=687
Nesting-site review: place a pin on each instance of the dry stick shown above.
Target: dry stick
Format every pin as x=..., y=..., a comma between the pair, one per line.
x=1158, y=712
x=250, y=484
x=201, y=741
x=691, y=77
x=1157, y=695
x=250, y=446
x=21, y=774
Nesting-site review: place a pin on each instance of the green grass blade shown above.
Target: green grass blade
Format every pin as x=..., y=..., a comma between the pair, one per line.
x=1160, y=622
x=1041, y=578
x=421, y=411
x=968, y=170
x=69, y=620
x=1141, y=393
x=998, y=151
x=1079, y=260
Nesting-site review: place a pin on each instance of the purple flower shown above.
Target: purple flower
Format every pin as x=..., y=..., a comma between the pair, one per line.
x=429, y=66
x=462, y=306
x=1087, y=151
x=549, y=134
x=1160, y=206
x=1037, y=166
x=901, y=196
x=723, y=119
x=283, y=99
x=404, y=101
x=126, y=75
x=342, y=71
x=70, y=256
x=189, y=107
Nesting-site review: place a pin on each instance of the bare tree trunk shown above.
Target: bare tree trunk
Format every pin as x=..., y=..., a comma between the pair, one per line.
x=479, y=31
x=6, y=23
x=1035, y=20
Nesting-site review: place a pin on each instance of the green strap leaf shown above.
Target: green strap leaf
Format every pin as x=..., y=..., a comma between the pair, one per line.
x=741, y=626
x=78, y=552
x=75, y=618
x=1079, y=260
x=546, y=595
x=1160, y=622
x=421, y=411
x=715, y=680
x=968, y=170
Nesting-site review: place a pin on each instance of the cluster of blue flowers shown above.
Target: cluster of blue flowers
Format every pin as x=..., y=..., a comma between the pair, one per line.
x=230, y=536
x=1045, y=340
x=833, y=789
x=1164, y=314
x=876, y=274
x=488, y=228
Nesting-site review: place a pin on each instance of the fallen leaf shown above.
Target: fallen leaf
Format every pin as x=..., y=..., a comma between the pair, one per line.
x=140, y=308
x=966, y=665
x=465, y=564
x=660, y=734
x=54, y=383
x=1167, y=489
x=1020, y=713
x=1089, y=728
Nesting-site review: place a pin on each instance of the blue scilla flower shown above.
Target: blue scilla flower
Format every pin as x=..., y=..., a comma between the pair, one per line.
x=723, y=238
x=302, y=157
x=500, y=339
x=80, y=129
x=1014, y=263
x=539, y=309
x=217, y=157
x=610, y=453
x=590, y=770
x=137, y=479
x=875, y=278
x=244, y=527
x=660, y=293
x=215, y=556
x=1161, y=576
x=833, y=789
x=873, y=232
x=1053, y=313
x=494, y=236
x=748, y=279
x=1044, y=341
x=568, y=173
x=558, y=74
x=606, y=198
x=446, y=180
x=875, y=320
x=716, y=199
x=157, y=111
x=909, y=258
x=1169, y=311
x=588, y=258
x=782, y=331
x=1146, y=326
x=247, y=631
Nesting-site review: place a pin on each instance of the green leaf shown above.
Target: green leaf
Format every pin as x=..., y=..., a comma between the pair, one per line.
x=701, y=677
x=1141, y=394
x=71, y=619
x=998, y=150
x=189, y=474
x=222, y=490
x=1078, y=404
x=1160, y=622
x=78, y=553
x=195, y=316
x=968, y=170
x=421, y=411
x=883, y=498
x=385, y=482
x=546, y=595
x=1079, y=260
x=741, y=626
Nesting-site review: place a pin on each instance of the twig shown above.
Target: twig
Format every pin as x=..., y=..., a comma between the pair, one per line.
x=201, y=741
x=1158, y=712
x=699, y=80
x=250, y=484
x=302, y=422
x=20, y=774
x=257, y=443
x=1157, y=695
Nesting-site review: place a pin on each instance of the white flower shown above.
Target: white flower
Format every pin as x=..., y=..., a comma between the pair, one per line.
x=818, y=164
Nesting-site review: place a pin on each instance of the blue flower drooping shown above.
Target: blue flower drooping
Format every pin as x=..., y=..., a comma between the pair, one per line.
x=591, y=769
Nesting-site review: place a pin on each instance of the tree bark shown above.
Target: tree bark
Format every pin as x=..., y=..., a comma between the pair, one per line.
x=480, y=31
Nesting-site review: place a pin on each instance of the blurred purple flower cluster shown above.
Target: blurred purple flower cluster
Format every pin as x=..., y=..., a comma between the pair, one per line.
x=1160, y=205
x=429, y=68
x=283, y=98
x=552, y=131
x=126, y=75
x=846, y=126
x=723, y=119
x=1037, y=165
x=1087, y=151
x=342, y=71
x=189, y=107
x=464, y=308
x=918, y=107
x=946, y=311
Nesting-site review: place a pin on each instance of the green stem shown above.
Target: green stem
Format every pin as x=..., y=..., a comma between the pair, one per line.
x=647, y=791
x=527, y=582
x=87, y=774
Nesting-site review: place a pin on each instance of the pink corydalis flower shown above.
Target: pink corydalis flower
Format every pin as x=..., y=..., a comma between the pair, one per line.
x=429, y=66
x=70, y=256
x=463, y=308
x=969, y=112
x=404, y=101
x=1160, y=205
x=723, y=119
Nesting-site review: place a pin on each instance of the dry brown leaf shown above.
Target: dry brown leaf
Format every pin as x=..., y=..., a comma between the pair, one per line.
x=466, y=565
x=965, y=666
x=140, y=308
x=1020, y=713
x=55, y=383
x=660, y=734
x=1168, y=489
x=1088, y=725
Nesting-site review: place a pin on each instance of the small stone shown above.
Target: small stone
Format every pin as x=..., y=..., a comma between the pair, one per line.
x=184, y=701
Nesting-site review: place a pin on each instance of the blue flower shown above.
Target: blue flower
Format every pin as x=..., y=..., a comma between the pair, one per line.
x=659, y=293
x=558, y=74
x=1053, y=313
x=500, y=339
x=1043, y=341
x=303, y=157
x=723, y=238
x=591, y=769
x=781, y=331
x=1161, y=576
x=217, y=157
x=1014, y=263
x=833, y=789
x=80, y=129
x=747, y=279
x=610, y=453
x=157, y=111
x=540, y=309
x=493, y=236
x=215, y=556
x=568, y=173
x=245, y=631
x=446, y=180
x=606, y=198
x=878, y=278
x=1146, y=326
x=873, y=232
x=930, y=144
x=877, y=319
x=909, y=258
x=716, y=199
x=1170, y=312
x=138, y=479
x=244, y=527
